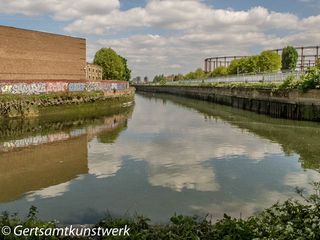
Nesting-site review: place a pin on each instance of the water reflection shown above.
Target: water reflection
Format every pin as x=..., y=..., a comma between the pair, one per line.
x=39, y=154
x=294, y=137
x=175, y=155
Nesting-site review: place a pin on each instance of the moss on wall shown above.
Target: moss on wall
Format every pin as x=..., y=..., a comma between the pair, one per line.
x=17, y=106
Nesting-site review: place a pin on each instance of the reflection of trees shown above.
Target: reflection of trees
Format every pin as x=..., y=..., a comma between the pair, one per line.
x=65, y=120
x=61, y=153
x=298, y=137
x=110, y=135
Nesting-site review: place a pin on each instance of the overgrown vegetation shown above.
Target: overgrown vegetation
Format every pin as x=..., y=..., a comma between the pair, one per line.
x=310, y=80
x=291, y=220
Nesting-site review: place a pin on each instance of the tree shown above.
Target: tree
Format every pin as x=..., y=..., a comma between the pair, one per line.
x=113, y=65
x=178, y=77
x=289, y=58
x=127, y=71
x=197, y=74
x=269, y=61
x=244, y=65
x=159, y=78
x=234, y=66
x=218, y=72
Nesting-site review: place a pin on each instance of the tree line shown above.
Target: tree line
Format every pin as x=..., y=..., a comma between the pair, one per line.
x=265, y=62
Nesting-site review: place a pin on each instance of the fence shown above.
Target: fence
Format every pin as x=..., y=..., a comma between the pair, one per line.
x=270, y=77
x=38, y=87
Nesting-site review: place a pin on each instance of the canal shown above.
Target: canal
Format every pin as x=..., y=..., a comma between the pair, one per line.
x=160, y=156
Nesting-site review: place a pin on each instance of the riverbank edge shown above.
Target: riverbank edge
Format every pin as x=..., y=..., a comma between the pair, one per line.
x=290, y=104
x=26, y=106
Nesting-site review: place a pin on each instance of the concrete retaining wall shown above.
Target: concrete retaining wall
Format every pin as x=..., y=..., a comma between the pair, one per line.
x=291, y=104
x=38, y=87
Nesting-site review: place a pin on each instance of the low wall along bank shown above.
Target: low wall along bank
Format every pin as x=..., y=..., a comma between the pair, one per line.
x=40, y=87
x=292, y=104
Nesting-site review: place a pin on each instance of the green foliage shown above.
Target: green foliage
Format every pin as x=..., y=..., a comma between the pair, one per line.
x=234, y=66
x=159, y=78
x=114, y=66
x=310, y=80
x=197, y=74
x=244, y=65
x=317, y=63
x=269, y=61
x=289, y=83
x=291, y=220
x=218, y=72
x=127, y=72
x=289, y=58
x=31, y=221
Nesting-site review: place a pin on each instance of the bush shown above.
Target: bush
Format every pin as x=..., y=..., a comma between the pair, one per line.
x=311, y=79
x=290, y=220
x=197, y=74
x=218, y=72
x=269, y=61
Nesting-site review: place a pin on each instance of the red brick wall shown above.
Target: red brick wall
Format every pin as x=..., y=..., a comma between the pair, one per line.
x=26, y=55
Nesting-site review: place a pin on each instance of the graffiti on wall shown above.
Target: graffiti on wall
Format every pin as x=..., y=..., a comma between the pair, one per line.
x=57, y=86
x=47, y=87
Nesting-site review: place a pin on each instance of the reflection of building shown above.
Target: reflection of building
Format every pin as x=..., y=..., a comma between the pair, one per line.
x=33, y=55
x=39, y=161
x=93, y=72
x=41, y=166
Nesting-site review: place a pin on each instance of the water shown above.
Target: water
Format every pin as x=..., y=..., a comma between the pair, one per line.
x=163, y=156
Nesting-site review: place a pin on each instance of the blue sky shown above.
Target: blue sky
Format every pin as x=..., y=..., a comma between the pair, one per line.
x=171, y=36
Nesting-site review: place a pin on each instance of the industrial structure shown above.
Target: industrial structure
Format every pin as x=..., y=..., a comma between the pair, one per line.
x=307, y=58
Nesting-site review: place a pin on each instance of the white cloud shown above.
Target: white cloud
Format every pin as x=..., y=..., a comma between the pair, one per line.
x=170, y=36
x=59, y=9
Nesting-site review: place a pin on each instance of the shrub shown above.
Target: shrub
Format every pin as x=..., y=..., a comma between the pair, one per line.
x=290, y=220
x=218, y=72
x=311, y=79
x=269, y=61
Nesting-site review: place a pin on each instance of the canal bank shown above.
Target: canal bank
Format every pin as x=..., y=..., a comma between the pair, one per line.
x=17, y=105
x=290, y=104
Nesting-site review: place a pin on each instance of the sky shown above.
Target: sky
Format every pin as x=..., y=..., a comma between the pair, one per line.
x=171, y=36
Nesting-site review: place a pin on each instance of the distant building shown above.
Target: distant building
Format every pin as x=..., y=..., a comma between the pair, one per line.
x=137, y=80
x=93, y=72
x=145, y=80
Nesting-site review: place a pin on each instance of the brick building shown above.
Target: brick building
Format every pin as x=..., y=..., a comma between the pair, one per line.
x=93, y=72
x=33, y=55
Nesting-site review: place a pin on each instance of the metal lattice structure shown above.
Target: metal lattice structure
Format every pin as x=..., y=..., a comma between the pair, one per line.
x=308, y=55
